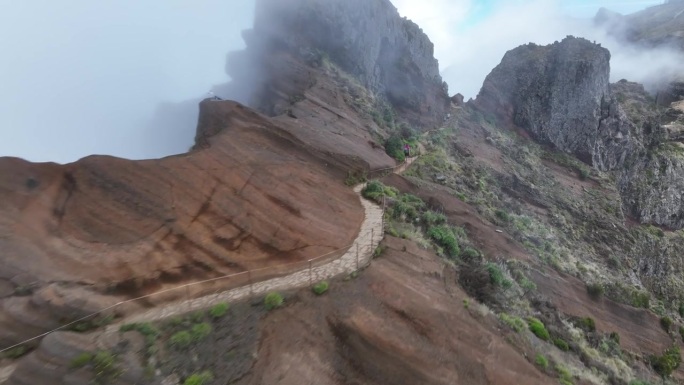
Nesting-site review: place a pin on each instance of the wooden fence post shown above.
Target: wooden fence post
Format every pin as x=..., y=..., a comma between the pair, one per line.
x=357, y=256
x=249, y=278
x=372, y=239
x=310, y=275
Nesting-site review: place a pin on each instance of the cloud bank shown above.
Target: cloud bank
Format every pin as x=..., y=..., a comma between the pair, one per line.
x=87, y=77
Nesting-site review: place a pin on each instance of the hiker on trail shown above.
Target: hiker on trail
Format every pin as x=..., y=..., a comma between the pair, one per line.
x=407, y=150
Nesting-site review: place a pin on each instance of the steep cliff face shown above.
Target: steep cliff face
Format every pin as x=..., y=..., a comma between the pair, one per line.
x=561, y=95
x=389, y=55
x=652, y=181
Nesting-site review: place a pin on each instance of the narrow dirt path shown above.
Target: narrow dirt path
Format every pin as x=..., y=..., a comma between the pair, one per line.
x=371, y=227
x=359, y=255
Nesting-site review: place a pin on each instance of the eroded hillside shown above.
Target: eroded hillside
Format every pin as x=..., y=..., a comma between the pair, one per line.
x=519, y=247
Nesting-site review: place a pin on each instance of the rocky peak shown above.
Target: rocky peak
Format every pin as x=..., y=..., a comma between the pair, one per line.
x=388, y=54
x=561, y=95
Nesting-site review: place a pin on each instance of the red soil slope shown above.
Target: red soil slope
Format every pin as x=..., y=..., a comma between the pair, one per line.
x=250, y=197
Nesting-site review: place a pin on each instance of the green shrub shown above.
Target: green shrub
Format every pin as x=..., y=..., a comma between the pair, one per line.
x=681, y=332
x=470, y=254
x=587, y=324
x=466, y=303
x=200, y=331
x=394, y=147
x=81, y=360
x=320, y=287
x=497, y=276
x=615, y=337
x=219, y=310
x=561, y=344
x=273, y=300
x=431, y=218
x=564, y=375
x=502, y=215
x=583, y=173
x=541, y=361
x=374, y=190
x=128, y=327
x=681, y=309
x=197, y=316
x=105, y=365
x=199, y=378
x=181, y=339
x=639, y=382
x=641, y=299
x=666, y=323
x=595, y=290
x=147, y=329
x=445, y=237
x=668, y=362
x=538, y=328
x=513, y=322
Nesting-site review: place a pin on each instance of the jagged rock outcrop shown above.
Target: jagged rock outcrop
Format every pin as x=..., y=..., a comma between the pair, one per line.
x=652, y=181
x=389, y=55
x=561, y=95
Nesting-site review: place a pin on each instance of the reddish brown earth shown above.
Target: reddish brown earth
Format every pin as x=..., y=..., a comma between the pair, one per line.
x=402, y=321
x=101, y=229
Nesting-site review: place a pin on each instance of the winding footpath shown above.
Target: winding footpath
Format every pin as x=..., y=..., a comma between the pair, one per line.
x=357, y=256
x=370, y=234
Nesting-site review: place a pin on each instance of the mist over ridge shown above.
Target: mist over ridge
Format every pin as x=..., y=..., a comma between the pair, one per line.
x=124, y=78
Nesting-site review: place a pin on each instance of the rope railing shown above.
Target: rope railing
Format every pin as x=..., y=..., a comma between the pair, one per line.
x=246, y=278
x=254, y=276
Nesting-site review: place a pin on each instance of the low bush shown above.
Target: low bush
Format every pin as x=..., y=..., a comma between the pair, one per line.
x=503, y=216
x=431, y=218
x=538, y=329
x=273, y=300
x=445, y=237
x=199, y=378
x=513, y=322
x=641, y=299
x=200, y=331
x=666, y=323
x=81, y=360
x=181, y=339
x=497, y=276
x=595, y=290
x=320, y=287
x=470, y=254
x=668, y=362
x=681, y=332
x=564, y=376
x=587, y=324
x=541, y=361
x=219, y=310
x=561, y=344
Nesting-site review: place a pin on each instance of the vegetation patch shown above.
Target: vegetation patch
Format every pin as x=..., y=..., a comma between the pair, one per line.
x=538, y=329
x=513, y=322
x=561, y=344
x=219, y=310
x=320, y=288
x=202, y=378
x=541, y=361
x=273, y=300
x=668, y=362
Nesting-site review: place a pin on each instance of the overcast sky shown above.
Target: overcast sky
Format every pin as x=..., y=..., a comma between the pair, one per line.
x=82, y=77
